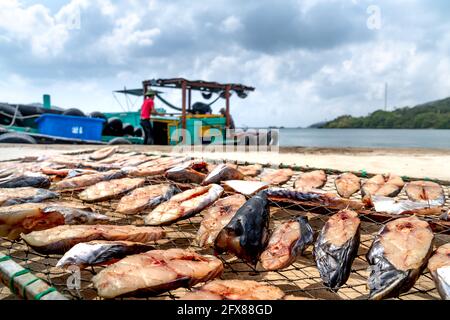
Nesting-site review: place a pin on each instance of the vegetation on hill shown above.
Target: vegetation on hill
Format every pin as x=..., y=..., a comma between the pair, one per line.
x=434, y=115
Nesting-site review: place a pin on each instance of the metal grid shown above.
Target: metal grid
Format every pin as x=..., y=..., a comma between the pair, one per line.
x=301, y=279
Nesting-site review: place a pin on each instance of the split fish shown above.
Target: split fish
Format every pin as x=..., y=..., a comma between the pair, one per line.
x=311, y=180
x=252, y=170
x=425, y=191
x=235, y=290
x=247, y=188
x=439, y=266
x=29, y=179
x=337, y=247
x=100, y=252
x=9, y=197
x=103, y=153
x=154, y=168
x=66, y=172
x=27, y=217
x=146, y=198
x=398, y=256
x=60, y=239
x=388, y=185
x=187, y=172
x=223, y=172
x=156, y=271
x=111, y=189
x=184, y=205
x=216, y=217
x=287, y=242
x=246, y=234
x=278, y=177
x=84, y=181
x=392, y=206
x=347, y=184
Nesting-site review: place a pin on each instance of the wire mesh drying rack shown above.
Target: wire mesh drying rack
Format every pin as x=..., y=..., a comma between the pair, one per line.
x=301, y=279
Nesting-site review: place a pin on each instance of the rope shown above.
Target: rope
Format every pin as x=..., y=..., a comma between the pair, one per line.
x=29, y=283
x=15, y=275
x=44, y=293
x=5, y=258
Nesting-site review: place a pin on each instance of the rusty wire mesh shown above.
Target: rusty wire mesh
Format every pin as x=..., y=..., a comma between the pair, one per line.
x=301, y=279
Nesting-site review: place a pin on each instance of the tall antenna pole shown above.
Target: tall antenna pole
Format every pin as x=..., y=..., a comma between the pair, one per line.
x=385, y=96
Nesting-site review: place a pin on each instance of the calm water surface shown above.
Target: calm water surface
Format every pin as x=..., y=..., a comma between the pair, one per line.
x=371, y=138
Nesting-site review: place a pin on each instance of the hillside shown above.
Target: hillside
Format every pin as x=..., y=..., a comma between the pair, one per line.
x=431, y=115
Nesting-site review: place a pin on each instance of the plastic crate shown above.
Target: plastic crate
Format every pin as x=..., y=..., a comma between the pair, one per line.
x=71, y=127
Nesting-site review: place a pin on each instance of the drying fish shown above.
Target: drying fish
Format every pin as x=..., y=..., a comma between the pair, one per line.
x=27, y=217
x=60, y=239
x=311, y=180
x=69, y=173
x=216, y=217
x=347, y=184
x=146, y=198
x=337, y=247
x=106, y=190
x=103, y=153
x=87, y=180
x=247, y=232
x=286, y=243
x=155, y=272
x=247, y=188
x=9, y=197
x=398, y=256
x=278, y=177
x=223, y=172
x=427, y=191
x=314, y=198
x=29, y=179
x=392, y=206
x=252, y=170
x=184, y=205
x=439, y=266
x=154, y=168
x=235, y=290
x=388, y=185
x=188, y=172
x=117, y=158
x=100, y=252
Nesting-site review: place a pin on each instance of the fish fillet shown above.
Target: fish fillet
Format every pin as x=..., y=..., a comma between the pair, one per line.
x=235, y=290
x=425, y=191
x=184, y=205
x=28, y=179
x=156, y=271
x=106, y=190
x=188, y=172
x=287, y=242
x=247, y=188
x=252, y=170
x=14, y=196
x=84, y=181
x=347, y=184
x=398, y=256
x=216, y=217
x=223, y=172
x=311, y=180
x=388, y=185
x=146, y=198
x=60, y=239
x=103, y=153
x=278, y=177
x=439, y=266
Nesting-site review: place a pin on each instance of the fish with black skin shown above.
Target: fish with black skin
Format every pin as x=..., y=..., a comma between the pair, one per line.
x=336, y=248
x=398, y=256
x=439, y=266
x=246, y=234
x=30, y=179
x=9, y=197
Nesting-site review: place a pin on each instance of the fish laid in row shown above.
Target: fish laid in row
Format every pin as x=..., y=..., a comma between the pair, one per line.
x=84, y=181
x=246, y=234
x=9, y=197
x=247, y=188
x=106, y=190
x=347, y=184
x=100, y=252
x=188, y=172
x=66, y=172
x=311, y=180
x=386, y=185
x=155, y=168
x=28, y=217
x=252, y=170
x=184, y=205
x=28, y=179
x=393, y=206
x=154, y=272
x=425, y=191
x=337, y=247
x=223, y=172
x=278, y=177
x=287, y=242
x=398, y=256
x=147, y=197
x=216, y=217
x=59, y=240
x=439, y=266
x=103, y=153
x=235, y=290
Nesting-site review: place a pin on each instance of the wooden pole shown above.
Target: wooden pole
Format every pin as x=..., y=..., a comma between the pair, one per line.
x=190, y=100
x=227, y=95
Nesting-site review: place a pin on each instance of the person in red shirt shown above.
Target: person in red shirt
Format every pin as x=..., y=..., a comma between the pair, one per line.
x=147, y=109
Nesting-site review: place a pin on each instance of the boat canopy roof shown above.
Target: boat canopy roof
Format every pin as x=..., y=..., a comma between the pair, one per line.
x=135, y=92
x=199, y=85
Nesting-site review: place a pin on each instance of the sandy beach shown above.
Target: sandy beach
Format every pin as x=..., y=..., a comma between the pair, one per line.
x=413, y=163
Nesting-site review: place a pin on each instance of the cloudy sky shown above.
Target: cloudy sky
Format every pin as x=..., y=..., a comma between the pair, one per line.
x=309, y=60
